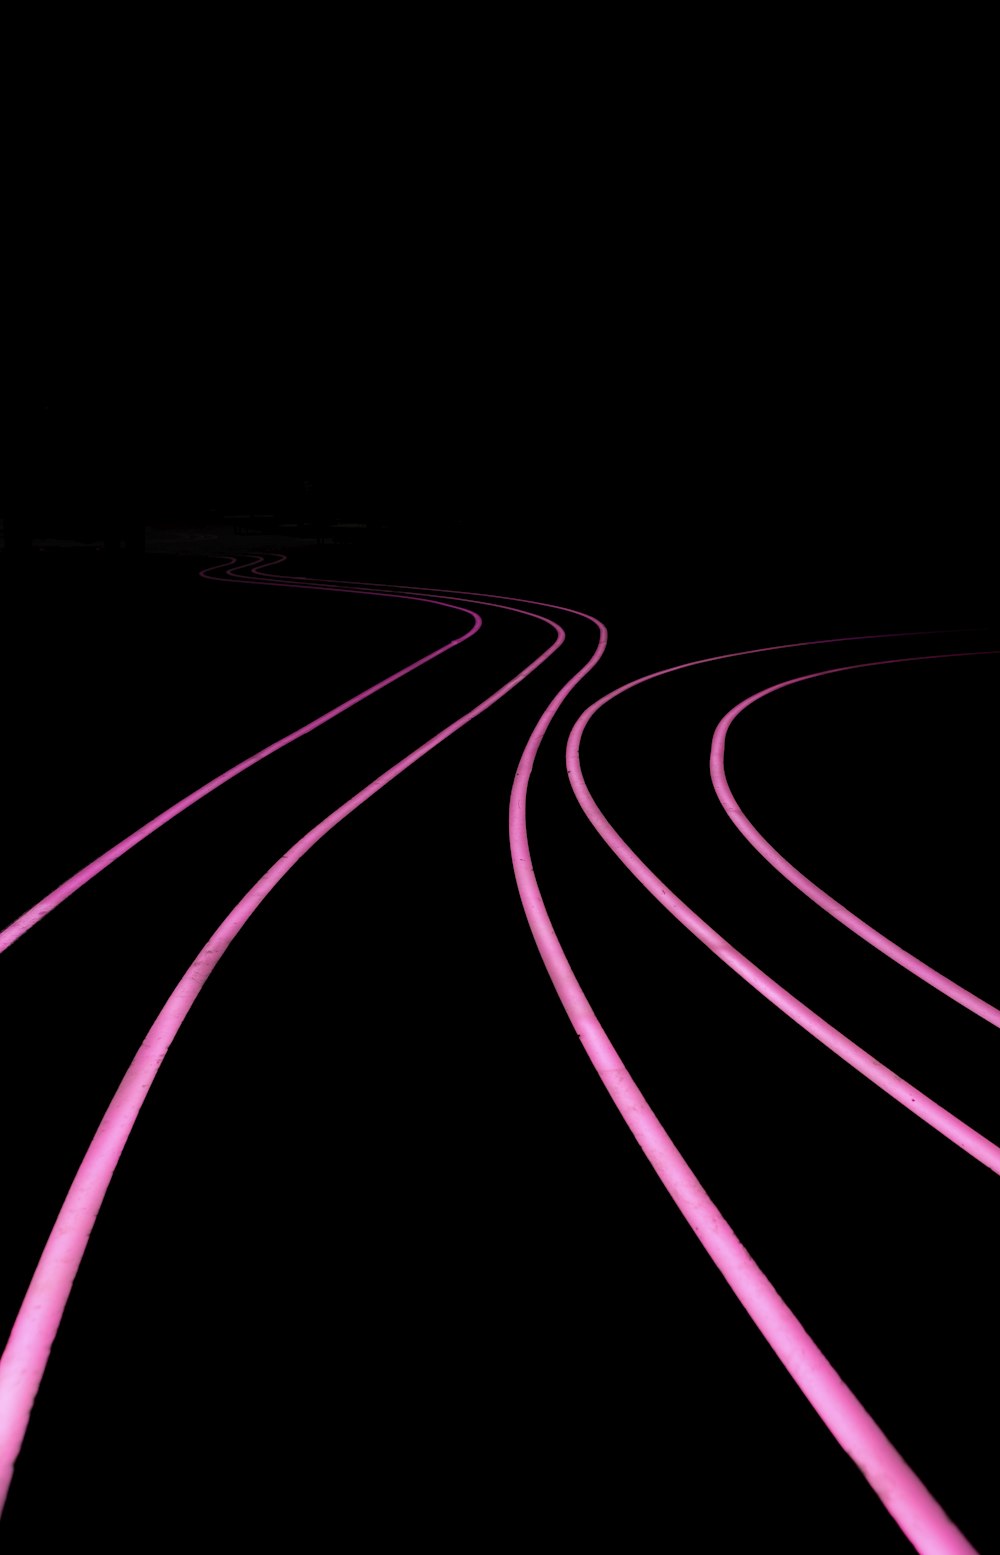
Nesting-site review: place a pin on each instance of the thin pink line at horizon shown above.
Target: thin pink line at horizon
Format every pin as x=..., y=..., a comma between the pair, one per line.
x=25, y=1356
x=929, y=1111
x=33, y=915
x=850, y=920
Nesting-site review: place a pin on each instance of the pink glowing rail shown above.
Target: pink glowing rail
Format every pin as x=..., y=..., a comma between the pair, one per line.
x=968, y=1139
x=836, y=909
x=905, y=1497
x=903, y=1494
x=23, y=1362
x=34, y=915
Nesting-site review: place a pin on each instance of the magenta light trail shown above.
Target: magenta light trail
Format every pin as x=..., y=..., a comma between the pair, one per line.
x=33, y=915
x=905, y=1497
x=836, y=909
x=968, y=1139
x=25, y=1356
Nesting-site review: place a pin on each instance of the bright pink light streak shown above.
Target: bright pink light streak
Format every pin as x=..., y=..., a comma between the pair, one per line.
x=968, y=1139
x=905, y=1497
x=33, y=915
x=25, y=1356
x=836, y=909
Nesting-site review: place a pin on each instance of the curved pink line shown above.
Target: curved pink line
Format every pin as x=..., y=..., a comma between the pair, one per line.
x=905, y=1497
x=829, y=904
x=967, y=1139
x=33, y=915
x=903, y=1494
x=25, y=1356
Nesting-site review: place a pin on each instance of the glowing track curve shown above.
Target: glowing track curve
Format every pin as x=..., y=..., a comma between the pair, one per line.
x=901, y=1491
x=23, y=1361
x=930, y=1111
x=836, y=909
x=35, y=914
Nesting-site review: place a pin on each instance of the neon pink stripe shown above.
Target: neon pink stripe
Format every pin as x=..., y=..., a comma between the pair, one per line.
x=836, y=909
x=24, y=1359
x=33, y=915
x=905, y=1497
x=973, y=1143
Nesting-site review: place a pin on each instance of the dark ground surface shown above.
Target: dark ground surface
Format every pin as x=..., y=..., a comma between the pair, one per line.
x=380, y=1253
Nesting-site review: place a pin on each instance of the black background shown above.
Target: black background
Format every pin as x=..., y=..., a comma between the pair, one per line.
x=379, y=1232
x=723, y=396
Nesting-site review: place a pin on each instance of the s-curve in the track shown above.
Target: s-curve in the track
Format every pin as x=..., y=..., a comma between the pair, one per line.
x=323, y=1198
